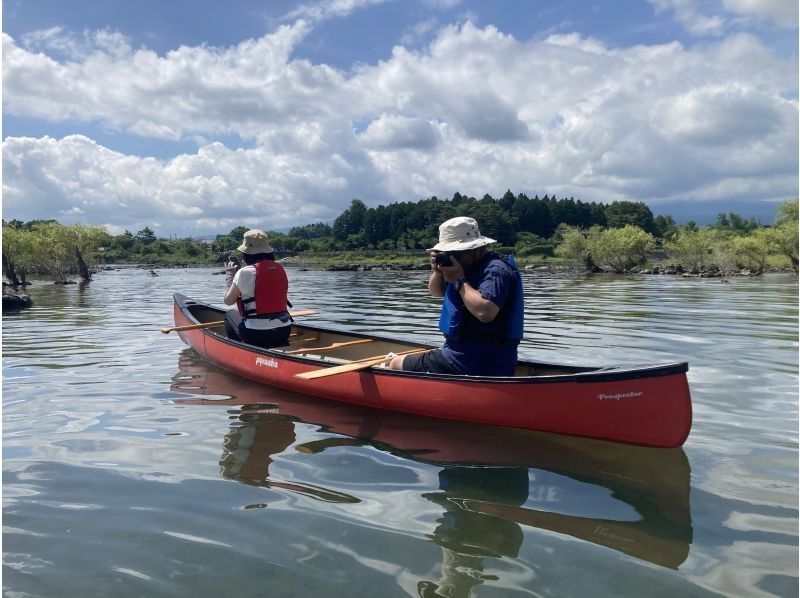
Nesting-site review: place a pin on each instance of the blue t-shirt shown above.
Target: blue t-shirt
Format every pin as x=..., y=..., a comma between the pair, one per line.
x=494, y=280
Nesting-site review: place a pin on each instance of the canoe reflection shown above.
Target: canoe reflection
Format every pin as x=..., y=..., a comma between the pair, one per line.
x=490, y=479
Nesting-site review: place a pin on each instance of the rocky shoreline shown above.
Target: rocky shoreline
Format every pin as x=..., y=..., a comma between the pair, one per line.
x=710, y=271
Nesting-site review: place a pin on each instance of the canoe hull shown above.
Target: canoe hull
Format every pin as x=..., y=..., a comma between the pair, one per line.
x=649, y=407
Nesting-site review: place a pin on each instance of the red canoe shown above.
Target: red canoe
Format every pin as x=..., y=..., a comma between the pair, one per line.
x=646, y=405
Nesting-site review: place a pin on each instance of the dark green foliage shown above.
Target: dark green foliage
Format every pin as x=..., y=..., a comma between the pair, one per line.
x=665, y=227
x=146, y=236
x=636, y=213
x=732, y=222
x=311, y=231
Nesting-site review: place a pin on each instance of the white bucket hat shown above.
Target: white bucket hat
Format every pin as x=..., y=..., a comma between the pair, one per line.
x=460, y=234
x=255, y=241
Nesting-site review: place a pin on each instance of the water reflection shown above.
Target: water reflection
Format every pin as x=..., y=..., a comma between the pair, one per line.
x=466, y=536
x=493, y=483
x=248, y=449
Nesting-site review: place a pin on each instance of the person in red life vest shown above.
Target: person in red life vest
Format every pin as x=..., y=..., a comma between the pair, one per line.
x=259, y=291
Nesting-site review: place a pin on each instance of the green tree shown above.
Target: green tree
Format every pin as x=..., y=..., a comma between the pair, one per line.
x=575, y=245
x=753, y=250
x=692, y=248
x=636, y=213
x=665, y=227
x=312, y=231
x=530, y=244
x=19, y=253
x=788, y=213
x=620, y=249
x=724, y=255
x=783, y=237
x=58, y=260
x=145, y=235
x=734, y=223
x=351, y=221
x=83, y=242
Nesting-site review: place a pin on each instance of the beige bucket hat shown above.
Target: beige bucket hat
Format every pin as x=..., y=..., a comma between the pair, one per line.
x=460, y=234
x=255, y=241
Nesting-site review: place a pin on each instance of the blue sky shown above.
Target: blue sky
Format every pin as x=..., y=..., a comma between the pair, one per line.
x=195, y=117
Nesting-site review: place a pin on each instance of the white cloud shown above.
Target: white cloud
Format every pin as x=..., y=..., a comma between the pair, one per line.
x=692, y=19
x=391, y=132
x=694, y=15
x=73, y=47
x=477, y=112
x=783, y=13
x=714, y=115
x=329, y=9
x=189, y=90
x=75, y=179
x=419, y=31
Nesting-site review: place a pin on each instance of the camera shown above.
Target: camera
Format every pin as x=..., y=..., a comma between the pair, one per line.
x=443, y=259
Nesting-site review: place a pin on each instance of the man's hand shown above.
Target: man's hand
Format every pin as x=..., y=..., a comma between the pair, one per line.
x=452, y=272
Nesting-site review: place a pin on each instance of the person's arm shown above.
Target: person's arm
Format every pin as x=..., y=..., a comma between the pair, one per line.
x=483, y=309
x=436, y=281
x=232, y=292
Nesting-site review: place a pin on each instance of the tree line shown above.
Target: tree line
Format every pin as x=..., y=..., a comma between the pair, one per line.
x=730, y=245
x=615, y=236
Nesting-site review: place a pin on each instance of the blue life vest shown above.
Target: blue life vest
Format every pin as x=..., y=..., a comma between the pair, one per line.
x=455, y=317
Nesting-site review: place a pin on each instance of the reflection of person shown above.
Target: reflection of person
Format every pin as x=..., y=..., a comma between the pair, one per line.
x=259, y=291
x=482, y=311
x=467, y=537
x=247, y=454
x=249, y=448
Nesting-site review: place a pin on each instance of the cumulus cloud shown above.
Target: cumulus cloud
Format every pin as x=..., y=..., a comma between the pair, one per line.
x=75, y=179
x=476, y=111
x=189, y=90
x=391, y=132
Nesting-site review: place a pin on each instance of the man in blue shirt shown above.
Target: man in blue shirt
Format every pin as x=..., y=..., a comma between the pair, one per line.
x=482, y=311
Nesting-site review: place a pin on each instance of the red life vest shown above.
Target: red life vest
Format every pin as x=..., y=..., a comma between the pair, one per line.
x=272, y=287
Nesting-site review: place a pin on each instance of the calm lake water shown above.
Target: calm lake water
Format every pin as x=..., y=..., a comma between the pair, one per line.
x=131, y=467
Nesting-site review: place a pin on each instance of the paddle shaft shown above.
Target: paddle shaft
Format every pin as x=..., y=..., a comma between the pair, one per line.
x=193, y=327
x=331, y=347
x=353, y=366
x=294, y=314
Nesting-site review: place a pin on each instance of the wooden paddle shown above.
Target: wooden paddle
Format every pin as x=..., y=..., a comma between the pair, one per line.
x=331, y=346
x=361, y=364
x=294, y=314
x=193, y=327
